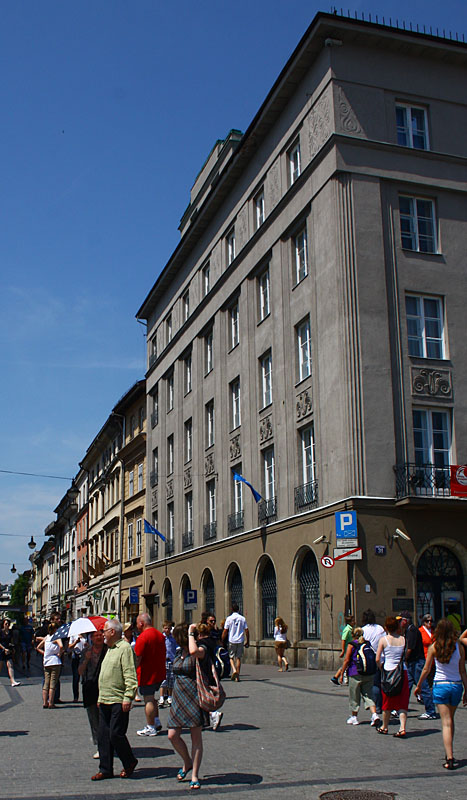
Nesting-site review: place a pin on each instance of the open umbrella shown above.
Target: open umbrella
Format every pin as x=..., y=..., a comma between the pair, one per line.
x=81, y=626
x=63, y=632
x=99, y=622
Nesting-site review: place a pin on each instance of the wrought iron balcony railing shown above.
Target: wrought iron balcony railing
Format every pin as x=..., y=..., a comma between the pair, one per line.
x=267, y=510
x=169, y=547
x=153, y=552
x=235, y=521
x=422, y=480
x=306, y=496
x=187, y=540
x=210, y=531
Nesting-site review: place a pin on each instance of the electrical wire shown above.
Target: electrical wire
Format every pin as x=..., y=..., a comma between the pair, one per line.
x=35, y=475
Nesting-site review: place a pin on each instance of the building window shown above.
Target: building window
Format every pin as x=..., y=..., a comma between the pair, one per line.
x=170, y=392
x=307, y=441
x=132, y=428
x=171, y=523
x=417, y=217
x=140, y=477
x=234, y=316
x=266, y=379
x=142, y=417
x=131, y=483
x=304, y=349
x=425, y=326
x=188, y=374
x=170, y=454
x=155, y=406
x=153, y=351
x=300, y=256
x=230, y=242
x=189, y=512
x=188, y=440
x=211, y=501
x=268, y=599
x=139, y=537
x=259, y=209
x=269, y=474
x=432, y=443
x=235, y=403
x=264, y=295
x=206, y=279
x=208, y=353
x=412, y=128
x=130, y=540
x=210, y=423
x=237, y=491
x=168, y=328
x=154, y=477
x=293, y=156
x=310, y=611
x=186, y=305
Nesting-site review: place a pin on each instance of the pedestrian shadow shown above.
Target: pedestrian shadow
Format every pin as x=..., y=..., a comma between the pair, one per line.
x=232, y=779
x=239, y=726
x=151, y=752
x=425, y=732
x=14, y=733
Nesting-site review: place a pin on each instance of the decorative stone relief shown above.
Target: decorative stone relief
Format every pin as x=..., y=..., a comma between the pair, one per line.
x=431, y=382
x=304, y=404
x=209, y=464
x=235, y=447
x=347, y=120
x=265, y=429
x=170, y=489
x=154, y=498
x=273, y=186
x=319, y=124
x=187, y=477
x=241, y=228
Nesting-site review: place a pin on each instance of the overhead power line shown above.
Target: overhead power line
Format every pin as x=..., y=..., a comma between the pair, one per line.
x=35, y=475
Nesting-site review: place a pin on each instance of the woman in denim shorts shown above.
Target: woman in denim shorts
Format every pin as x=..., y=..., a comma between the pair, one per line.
x=450, y=681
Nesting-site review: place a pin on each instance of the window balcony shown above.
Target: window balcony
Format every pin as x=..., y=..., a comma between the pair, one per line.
x=169, y=547
x=187, y=540
x=210, y=531
x=153, y=478
x=154, y=419
x=153, y=552
x=235, y=521
x=267, y=511
x=422, y=480
x=306, y=496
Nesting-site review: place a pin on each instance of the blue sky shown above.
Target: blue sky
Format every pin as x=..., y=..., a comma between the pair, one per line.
x=109, y=109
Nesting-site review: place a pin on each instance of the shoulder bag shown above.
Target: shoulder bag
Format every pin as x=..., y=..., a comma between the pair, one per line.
x=392, y=680
x=210, y=698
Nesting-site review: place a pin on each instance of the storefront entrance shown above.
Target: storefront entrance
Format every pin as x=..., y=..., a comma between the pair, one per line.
x=440, y=584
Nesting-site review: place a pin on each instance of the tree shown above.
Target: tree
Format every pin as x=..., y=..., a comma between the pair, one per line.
x=18, y=595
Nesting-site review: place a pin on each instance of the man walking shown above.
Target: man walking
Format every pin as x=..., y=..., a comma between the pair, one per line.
x=237, y=635
x=150, y=655
x=117, y=688
x=415, y=661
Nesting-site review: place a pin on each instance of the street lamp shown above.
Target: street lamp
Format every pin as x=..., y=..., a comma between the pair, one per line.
x=32, y=543
x=13, y=569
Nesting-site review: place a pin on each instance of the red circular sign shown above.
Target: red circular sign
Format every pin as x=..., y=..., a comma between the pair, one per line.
x=327, y=562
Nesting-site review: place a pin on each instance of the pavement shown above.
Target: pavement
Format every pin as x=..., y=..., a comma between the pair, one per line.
x=283, y=735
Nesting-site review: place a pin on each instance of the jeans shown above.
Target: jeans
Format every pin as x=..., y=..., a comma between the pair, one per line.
x=93, y=716
x=414, y=670
x=377, y=696
x=74, y=669
x=113, y=725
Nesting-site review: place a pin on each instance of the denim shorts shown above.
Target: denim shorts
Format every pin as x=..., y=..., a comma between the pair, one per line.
x=448, y=693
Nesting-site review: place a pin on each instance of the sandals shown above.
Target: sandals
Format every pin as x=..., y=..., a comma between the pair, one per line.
x=383, y=731
x=451, y=763
x=400, y=735
x=194, y=785
x=181, y=774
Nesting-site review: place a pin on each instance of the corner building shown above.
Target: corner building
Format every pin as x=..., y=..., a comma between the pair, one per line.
x=308, y=333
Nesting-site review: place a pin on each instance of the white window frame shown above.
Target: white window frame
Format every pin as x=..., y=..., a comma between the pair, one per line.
x=140, y=477
x=266, y=378
x=171, y=522
x=131, y=483
x=211, y=500
x=308, y=454
x=188, y=369
x=269, y=474
x=237, y=491
x=169, y=328
x=236, y=403
x=406, y=135
x=420, y=339
x=210, y=432
x=206, y=279
x=130, y=540
x=414, y=221
x=230, y=242
x=429, y=451
x=258, y=201
x=300, y=250
x=155, y=462
x=234, y=316
x=186, y=305
x=188, y=440
x=264, y=288
x=304, y=349
x=170, y=454
x=189, y=512
x=208, y=352
x=139, y=537
x=170, y=392
x=294, y=162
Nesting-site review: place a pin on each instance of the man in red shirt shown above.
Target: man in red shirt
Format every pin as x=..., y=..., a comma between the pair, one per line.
x=150, y=669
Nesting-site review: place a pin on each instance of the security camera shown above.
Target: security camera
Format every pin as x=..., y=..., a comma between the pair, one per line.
x=402, y=535
x=319, y=539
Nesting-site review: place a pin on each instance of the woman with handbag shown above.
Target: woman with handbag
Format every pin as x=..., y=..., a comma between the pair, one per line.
x=185, y=711
x=6, y=650
x=89, y=669
x=394, y=678
x=281, y=643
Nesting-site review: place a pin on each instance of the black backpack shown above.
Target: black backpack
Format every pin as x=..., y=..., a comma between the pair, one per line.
x=222, y=662
x=365, y=659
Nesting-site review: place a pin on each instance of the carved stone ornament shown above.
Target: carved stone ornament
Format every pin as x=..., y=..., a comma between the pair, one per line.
x=154, y=498
x=265, y=429
x=431, y=382
x=319, y=125
x=304, y=404
x=235, y=447
x=348, y=122
x=170, y=489
x=187, y=478
x=209, y=464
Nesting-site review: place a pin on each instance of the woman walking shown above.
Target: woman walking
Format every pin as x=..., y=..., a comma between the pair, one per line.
x=89, y=669
x=185, y=711
x=280, y=643
x=6, y=651
x=52, y=652
x=389, y=655
x=360, y=686
x=450, y=681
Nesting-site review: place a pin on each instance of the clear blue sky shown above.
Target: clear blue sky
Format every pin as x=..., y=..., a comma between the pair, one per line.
x=109, y=109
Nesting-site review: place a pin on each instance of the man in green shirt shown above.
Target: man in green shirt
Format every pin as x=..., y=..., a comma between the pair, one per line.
x=117, y=688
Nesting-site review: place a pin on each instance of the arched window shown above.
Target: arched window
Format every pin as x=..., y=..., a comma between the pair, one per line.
x=236, y=588
x=167, y=601
x=209, y=593
x=268, y=599
x=440, y=583
x=309, y=598
x=185, y=586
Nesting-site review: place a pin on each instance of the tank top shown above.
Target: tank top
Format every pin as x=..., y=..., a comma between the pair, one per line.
x=393, y=655
x=449, y=671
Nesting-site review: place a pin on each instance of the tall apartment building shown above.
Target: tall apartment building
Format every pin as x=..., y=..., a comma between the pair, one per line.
x=307, y=333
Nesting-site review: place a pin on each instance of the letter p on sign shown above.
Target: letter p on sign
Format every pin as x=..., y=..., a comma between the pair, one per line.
x=346, y=524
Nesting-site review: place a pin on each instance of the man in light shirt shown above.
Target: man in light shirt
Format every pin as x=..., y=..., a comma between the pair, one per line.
x=373, y=633
x=238, y=636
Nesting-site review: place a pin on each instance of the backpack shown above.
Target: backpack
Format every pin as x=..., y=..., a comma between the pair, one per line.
x=365, y=659
x=222, y=662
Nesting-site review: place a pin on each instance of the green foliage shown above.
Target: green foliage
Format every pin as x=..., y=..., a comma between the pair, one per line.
x=18, y=594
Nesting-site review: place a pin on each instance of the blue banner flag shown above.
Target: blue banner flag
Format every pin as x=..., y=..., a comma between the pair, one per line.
x=255, y=494
x=148, y=528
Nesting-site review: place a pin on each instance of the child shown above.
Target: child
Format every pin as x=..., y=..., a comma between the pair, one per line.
x=170, y=649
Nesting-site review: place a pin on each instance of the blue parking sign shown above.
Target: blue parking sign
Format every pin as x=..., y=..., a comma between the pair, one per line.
x=134, y=596
x=191, y=597
x=346, y=524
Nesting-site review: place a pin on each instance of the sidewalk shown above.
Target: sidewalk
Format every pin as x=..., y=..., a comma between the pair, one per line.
x=283, y=734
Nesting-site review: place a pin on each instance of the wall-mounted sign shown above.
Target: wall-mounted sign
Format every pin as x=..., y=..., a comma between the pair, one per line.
x=380, y=549
x=134, y=596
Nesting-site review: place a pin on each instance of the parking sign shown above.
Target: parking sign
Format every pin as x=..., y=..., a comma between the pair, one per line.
x=346, y=525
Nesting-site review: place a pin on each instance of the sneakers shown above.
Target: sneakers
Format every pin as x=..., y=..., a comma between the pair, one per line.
x=149, y=730
x=334, y=680
x=353, y=720
x=161, y=702
x=169, y=701
x=395, y=714
x=96, y=755
x=426, y=715
x=375, y=720
x=217, y=719
x=16, y=683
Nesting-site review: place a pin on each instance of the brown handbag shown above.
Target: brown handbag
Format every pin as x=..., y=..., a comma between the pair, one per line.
x=210, y=698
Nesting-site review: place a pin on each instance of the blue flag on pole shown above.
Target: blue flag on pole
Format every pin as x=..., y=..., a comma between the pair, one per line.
x=148, y=528
x=255, y=494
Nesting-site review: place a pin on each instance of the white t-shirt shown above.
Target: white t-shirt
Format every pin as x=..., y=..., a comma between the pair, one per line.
x=279, y=636
x=373, y=634
x=51, y=652
x=236, y=626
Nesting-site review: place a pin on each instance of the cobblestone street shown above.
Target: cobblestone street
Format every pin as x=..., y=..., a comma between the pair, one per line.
x=282, y=734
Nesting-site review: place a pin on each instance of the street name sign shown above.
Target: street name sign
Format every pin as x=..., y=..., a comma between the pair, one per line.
x=355, y=554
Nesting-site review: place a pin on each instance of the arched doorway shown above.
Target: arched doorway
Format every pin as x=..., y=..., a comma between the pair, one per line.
x=207, y=582
x=185, y=586
x=235, y=587
x=167, y=601
x=440, y=583
x=310, y=611
x=268, y=591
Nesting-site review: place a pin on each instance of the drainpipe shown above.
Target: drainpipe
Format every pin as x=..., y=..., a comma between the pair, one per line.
x=122, y=517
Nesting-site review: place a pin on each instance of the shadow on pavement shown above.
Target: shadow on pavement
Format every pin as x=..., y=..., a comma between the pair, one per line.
x=151, y=752
x=14, y=733
x=232, y=778
x=238, y=726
